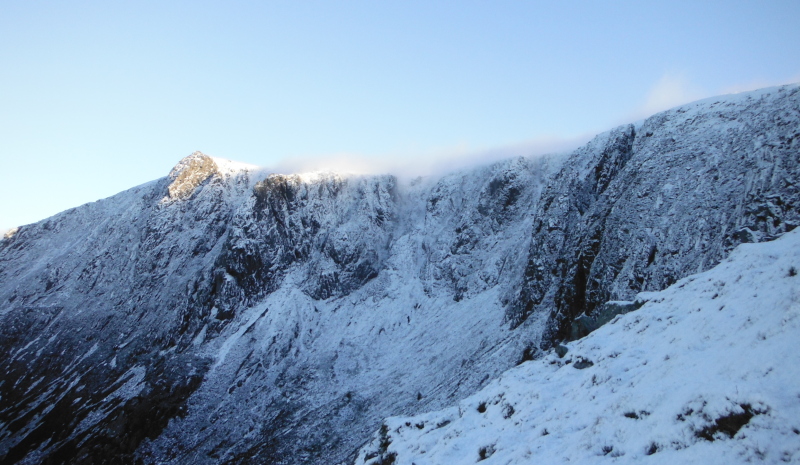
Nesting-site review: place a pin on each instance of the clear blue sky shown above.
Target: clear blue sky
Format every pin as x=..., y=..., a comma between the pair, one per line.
x=96, y=97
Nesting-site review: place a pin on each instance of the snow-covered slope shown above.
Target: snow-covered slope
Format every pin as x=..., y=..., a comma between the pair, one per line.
x=707, y=371
x=224, y=314
x=361, y=321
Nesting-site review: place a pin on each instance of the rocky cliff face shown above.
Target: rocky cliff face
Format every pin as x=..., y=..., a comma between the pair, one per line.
x=649, y=205
x=227, y=315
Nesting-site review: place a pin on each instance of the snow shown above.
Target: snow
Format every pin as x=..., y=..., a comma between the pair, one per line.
x=714, y=344
x=127, y=283
x=230, y=167
x=253, y=315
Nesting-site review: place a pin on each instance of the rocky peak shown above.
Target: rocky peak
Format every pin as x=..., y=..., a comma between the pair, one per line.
x=10, y=233
x=189, y=173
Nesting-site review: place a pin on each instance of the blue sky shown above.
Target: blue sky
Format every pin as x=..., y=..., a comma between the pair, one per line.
x=97, y=97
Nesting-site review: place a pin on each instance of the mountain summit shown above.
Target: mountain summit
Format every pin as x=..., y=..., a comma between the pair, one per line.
x=223, y=314
x=189, y=173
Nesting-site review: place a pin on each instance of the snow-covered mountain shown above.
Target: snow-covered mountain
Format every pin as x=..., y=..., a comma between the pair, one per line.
x=707, y=371
x=223, y=314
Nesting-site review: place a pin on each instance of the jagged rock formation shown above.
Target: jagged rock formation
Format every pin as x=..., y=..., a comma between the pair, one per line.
x=227, y=315
x=189, y=173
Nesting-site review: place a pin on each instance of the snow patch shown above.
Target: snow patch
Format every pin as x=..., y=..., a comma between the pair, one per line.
x=233, y=167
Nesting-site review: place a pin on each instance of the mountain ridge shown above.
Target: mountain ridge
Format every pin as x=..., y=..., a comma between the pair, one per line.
x=308, y=308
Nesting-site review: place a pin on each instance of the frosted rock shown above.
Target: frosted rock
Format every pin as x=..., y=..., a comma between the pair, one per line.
x=189, y=173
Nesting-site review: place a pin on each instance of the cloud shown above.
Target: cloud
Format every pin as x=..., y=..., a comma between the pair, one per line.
x=432, y=162
x=668, y=92
x=447, y=161
x=672, y=90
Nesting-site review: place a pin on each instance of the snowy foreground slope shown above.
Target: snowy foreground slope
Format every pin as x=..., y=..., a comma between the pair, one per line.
x=707, y=371
x=224, y=314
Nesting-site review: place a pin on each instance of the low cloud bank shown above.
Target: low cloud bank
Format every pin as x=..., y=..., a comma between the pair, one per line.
x=673, y=90
x=435, y=162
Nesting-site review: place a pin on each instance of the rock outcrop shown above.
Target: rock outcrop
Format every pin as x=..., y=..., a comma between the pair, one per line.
x=189, y=173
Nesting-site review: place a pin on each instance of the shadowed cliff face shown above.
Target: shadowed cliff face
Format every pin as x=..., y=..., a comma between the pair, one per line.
x=231, y=316
x=340, y=226
x=96, y=358
x=662, y=201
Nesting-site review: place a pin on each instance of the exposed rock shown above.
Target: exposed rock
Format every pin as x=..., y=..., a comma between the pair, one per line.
x=584, y=324
x=631, y=213
x=561, y=350
x=190, y=173
x=581, y=363
x=10, y=233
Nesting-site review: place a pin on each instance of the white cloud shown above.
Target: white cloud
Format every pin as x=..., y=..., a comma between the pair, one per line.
x=447, y=161
x=670, y=91
x=436, y=161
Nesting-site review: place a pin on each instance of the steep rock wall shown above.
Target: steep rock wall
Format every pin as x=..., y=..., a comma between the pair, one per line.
x=652, y=204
